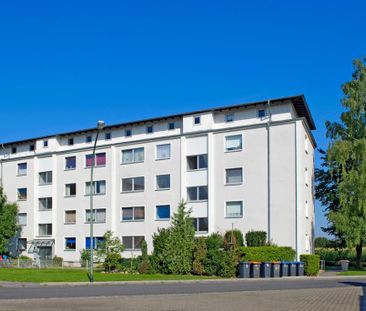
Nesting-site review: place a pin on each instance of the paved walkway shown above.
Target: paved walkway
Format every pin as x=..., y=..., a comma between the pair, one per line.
x=324, y=299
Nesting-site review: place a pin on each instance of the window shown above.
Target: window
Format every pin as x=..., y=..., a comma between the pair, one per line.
x=171, y=126
x=163, y=152
x=162, y=182
x=233, y=143
x=128, y=133
x=133, y=184
x=197, y=193
x=70, y=141
x=88, y=139
x=99, y=187
x=134, y=213
x=45, y=204
x=32, y=147
x=108, y=136
x=45, y=229
x=97, y=241
x=45, y=143
x=22, y=219
x=99, y=215
x=132, y=243
x=70, y=243
x=229, y=117
x=70, y=217
x=234, y=176
x=70, y=163
x=100, y=159
x=197, y=162
x=45, y=178
x=22, y=169
x=22, y=244
x=197, y=120
x=234, y=209
x=261, y=113
x=22, y=194
x=162, y=212
x=133, y=155
x=149, y=129
x=200, y=224
x=70, y=190
x=14, y=150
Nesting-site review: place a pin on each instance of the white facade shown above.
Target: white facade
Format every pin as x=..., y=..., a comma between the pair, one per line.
x=233, y=166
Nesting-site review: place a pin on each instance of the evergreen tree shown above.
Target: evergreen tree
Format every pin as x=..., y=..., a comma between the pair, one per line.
x=8, y=222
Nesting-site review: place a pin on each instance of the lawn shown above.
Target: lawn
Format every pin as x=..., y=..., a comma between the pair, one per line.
x=80, y=275
x=353, y=272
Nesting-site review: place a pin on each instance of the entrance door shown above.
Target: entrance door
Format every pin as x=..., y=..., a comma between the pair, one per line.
x=45, y=253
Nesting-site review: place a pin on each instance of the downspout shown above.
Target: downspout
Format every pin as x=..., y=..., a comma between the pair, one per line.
x=269, y=170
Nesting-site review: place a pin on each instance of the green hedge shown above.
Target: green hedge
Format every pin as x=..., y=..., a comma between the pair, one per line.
x=311, y=264
x=267, y=253
x=333, y=256
x=256, y=238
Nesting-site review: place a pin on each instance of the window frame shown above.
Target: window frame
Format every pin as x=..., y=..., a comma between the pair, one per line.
x=196, y=225
x=48, y=201
x=198, y=161
x=156, y=182
x=46, y=224
x=229, y=117
x=26, y=194
x=171, y=126
x=157, y=153
x=133, y=150
x=95, y=161
x=95, y=212
x=65, y=244
x=226, y=183
x=69, y=168
x=108, y=136
x=156, y=212
x=70, y=141
x=128, y=132
x=95, y=187
x=133, y=184
x=149, y=129
x=197, y=194
x=195, y=118
x=259, y=113
x=69, y=222
x=70, y=195
x=25, y=216
x=241, y=207
x=133, y=213
x=95, y=242
x=26, y=169
x=48, y=180
x=133, y=242
x=226, y=150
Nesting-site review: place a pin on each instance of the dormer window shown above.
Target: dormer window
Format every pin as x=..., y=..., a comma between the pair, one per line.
x=229, y=117
x=31, y=147
x=171, y=126
x=128, y=133
x=70, y=141
x=14, y=150
x=88, y=139
x=108, y=136
x=149, y=129
x=45, y=143
x=197, y=120
x=261, y=113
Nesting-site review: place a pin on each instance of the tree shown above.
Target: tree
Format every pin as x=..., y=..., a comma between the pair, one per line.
x=321, y=242
x=348, y=151
x=8, y=222
x=173, y=247
x=110, y=251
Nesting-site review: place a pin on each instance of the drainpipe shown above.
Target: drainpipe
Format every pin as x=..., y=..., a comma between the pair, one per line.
x=269, y=169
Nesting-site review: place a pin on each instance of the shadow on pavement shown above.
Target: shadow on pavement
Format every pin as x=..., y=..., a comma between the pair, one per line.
x=363, y=297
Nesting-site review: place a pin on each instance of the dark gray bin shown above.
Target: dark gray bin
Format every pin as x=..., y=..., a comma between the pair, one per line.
x=299, y=268
x=244, y=269
x=275, y=269
x=255, y=269
x=292, y=267
x=266, y=269
x=284, y=268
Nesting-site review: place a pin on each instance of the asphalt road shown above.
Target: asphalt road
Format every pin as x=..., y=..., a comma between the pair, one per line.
x=170, y=288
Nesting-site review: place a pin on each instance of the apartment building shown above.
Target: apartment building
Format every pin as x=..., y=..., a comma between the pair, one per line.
x=248, y=166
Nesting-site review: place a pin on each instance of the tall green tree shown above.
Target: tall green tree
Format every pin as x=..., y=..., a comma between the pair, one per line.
x=348, y=150
x=109, y=251
x=173, y=247
x=8, y=222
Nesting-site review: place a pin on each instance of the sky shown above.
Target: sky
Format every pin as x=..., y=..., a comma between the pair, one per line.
x=66, y=64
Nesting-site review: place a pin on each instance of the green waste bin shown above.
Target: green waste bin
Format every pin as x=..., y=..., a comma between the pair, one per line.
x=275, y=269
x=255, y=269
x=244, y=269
x=284, y=268
x=266, y=269
x=292, y=267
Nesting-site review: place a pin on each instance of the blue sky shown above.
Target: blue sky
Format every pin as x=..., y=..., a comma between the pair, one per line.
x=66, y=64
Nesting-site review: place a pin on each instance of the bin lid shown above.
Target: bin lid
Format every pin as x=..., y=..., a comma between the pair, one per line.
x=255, y=262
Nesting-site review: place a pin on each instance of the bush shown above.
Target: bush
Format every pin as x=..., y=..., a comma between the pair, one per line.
x=267, y=253
x=214, y=247
x=311, y=264
x=129, y=265
x=84, y=257
x=233, y=239
x=144, y=267
x=57, y=261
x=199, y=254
x=256, y=238
x=227, y=264
x=25, y=258
x=332, y=256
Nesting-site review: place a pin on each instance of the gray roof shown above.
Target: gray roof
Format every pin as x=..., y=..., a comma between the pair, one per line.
x=298, y=101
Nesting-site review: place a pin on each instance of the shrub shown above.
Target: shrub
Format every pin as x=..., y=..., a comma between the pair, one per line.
x=110, y=251
x=144, y=266
x=84, y=257
x=256, y=238
x=199, y=254
x=129, y=265
x=233, y=239
x=227, y=264
x=25, y=258
x=311, y=264
x=57, y=261
x=267, y=253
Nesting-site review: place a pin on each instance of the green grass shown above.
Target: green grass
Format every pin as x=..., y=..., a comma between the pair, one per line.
x=80, y=275
x=353, y=272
